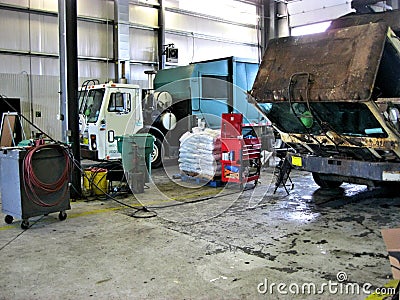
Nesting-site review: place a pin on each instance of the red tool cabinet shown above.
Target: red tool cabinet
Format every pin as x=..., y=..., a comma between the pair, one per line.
x=240, y=161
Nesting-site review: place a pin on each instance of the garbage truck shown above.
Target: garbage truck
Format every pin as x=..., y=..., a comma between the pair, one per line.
x=181, y=97
x=105, y=112
x=334, y=97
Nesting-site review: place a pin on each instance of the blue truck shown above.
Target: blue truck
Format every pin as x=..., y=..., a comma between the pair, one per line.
x=199, y=93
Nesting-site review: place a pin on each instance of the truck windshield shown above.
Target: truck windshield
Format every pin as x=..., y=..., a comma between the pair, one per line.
x=345, y=118
x=91, y=104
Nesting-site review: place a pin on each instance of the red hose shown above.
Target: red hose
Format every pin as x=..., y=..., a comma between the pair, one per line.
x=34, y=186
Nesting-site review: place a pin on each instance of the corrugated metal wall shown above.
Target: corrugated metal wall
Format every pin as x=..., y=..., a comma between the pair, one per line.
x=38, y=95
x=212, y=29
x=314, y=11
x=31, y=27
x=29, y=65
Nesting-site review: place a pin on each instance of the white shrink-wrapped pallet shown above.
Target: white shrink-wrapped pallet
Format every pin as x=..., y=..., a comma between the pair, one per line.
x=200, y=153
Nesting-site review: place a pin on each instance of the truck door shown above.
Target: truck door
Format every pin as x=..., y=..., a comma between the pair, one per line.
x=123, y=116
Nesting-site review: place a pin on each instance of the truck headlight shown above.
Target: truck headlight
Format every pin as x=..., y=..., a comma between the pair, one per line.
x=93, y=142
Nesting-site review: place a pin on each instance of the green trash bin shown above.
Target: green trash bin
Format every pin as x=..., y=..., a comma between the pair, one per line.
x=136, y=149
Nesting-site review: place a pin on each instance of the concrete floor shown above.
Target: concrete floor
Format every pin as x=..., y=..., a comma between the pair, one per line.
x=231, y=245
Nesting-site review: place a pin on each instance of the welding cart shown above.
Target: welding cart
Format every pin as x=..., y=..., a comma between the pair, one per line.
x=34, y=181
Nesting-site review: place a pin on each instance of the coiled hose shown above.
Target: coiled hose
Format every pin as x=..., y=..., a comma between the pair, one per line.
x=34, y=187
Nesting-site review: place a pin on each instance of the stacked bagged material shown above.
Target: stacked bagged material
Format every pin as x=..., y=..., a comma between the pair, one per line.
x=200, y=153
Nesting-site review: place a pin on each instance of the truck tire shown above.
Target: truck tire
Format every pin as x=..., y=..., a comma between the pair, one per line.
x=324, y=183
x=156, y=155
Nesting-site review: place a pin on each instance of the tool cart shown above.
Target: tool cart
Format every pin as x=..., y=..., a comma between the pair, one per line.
x=241, y=151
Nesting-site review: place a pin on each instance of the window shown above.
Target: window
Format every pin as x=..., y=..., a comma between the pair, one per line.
x=120, y=102
x=91, y=108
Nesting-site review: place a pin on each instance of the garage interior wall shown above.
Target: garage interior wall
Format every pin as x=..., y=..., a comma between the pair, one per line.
x=29, y=65
x=201, y=30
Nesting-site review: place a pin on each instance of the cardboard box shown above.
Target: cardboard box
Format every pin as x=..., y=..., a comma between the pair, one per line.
x=392, y=240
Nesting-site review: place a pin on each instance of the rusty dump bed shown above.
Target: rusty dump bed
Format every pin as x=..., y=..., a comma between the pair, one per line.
x=347, y=64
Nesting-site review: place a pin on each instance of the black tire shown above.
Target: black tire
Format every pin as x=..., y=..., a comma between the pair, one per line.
x=62, y=215
x=156, y=155
x=324, y=183
x=24, y=224
x=389, y=188
x=8, y=219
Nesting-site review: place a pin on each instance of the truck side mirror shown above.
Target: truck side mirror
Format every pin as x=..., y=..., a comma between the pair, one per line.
x=128, y=104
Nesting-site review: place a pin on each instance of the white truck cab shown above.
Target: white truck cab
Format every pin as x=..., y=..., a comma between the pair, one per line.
x=106, y=111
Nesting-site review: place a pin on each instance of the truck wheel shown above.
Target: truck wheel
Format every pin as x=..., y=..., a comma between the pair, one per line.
x=324, y=183
x=156, y=155
x=390, y=188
